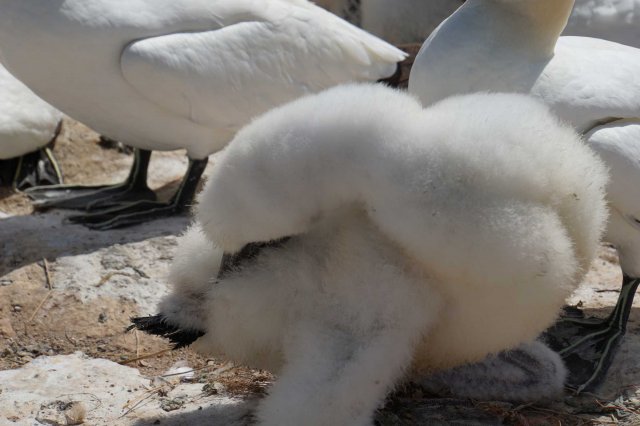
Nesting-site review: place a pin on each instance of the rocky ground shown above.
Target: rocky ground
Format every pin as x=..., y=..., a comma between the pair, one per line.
x=66, y=295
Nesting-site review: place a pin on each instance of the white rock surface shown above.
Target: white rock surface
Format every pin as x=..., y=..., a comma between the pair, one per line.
x=126, y=264
x=42, y=391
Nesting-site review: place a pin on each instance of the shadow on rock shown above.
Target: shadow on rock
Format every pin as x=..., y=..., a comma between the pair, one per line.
x=236, y=414
x=28, y=239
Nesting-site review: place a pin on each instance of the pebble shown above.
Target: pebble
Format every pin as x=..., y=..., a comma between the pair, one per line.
x=169, y=404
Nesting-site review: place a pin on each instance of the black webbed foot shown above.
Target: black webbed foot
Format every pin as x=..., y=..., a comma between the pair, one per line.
x=587, y=350
x=137, y=212
x=589, y=345
x=81, y=197
x=125, y=214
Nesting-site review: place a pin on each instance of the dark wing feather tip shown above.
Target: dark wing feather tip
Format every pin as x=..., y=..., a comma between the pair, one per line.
x=157, y=325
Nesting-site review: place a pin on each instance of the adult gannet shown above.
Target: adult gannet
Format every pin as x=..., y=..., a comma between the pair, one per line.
x=28, y=125
x=514, y=45
x=399, y=22
x=365, y=236
x=164, y=75
x=412, y=21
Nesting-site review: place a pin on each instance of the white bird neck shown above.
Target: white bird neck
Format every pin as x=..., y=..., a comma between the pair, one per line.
x=539, y=23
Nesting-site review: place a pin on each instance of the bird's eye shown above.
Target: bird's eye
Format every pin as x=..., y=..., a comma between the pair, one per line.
x=634, y=221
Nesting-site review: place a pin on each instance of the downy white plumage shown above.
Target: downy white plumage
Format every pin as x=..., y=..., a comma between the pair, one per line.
x=417, y=239
x=164, y=75
x=514, y=46
x=529, y=373
x=27, y=124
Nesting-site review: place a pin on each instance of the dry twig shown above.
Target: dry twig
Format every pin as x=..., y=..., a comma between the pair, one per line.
x=129, y=361
x=193, y=370
x=130, y=406
x=40, y=305
x=135, y=333
x=110, y=275
x=47, y=275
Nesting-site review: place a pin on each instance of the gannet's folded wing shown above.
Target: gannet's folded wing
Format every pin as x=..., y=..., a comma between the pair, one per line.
x=618, y=144
x=219, y=77
x=593, y=81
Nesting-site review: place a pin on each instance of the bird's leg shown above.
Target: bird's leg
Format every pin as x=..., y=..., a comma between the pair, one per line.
x=38, y=168
x=588, y=345
x=128, y=214
x=89, y=197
